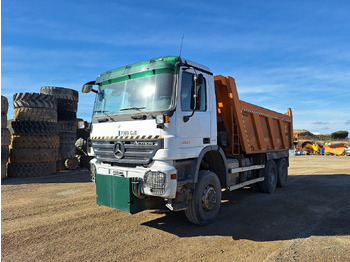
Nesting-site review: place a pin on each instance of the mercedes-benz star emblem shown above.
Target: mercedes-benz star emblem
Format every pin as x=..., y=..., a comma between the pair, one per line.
x=119, y=150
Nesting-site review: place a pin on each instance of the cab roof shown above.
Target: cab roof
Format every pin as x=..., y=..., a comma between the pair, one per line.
x=156, y=65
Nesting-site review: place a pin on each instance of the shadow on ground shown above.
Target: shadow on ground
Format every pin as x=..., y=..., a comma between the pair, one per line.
x=310, y=205
x=81, y=175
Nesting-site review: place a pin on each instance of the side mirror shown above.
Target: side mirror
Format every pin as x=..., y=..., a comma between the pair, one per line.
x=82, y=124
x=88, y=87
x=197, y=82
x=199, y=79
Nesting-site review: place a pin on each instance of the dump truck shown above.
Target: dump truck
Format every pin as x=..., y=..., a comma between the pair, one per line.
x=166, y=133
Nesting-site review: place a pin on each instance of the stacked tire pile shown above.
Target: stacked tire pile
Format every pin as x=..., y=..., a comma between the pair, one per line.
x=5, y=137
x=34, y=141
x=67, y=106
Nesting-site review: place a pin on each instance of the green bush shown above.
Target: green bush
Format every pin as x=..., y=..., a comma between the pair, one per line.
x=340, y=135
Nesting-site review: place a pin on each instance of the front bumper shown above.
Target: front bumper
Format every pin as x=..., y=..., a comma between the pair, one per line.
x=166, y=168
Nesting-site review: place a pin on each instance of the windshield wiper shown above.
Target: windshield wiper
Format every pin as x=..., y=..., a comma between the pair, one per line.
x=104, y=112
x=142, y=117
x=132, y=108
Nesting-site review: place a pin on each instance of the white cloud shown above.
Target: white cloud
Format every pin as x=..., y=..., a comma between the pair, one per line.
x=320, y=123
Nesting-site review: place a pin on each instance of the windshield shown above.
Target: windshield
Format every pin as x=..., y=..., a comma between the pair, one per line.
x=146, y=94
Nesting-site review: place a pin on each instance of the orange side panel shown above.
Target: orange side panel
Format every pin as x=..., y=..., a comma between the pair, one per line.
x=257, y=129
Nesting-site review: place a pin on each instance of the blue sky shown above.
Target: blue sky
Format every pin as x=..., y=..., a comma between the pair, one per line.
x=281, y=53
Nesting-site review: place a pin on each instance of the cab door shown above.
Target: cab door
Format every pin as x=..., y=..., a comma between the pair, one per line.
x=194, y=132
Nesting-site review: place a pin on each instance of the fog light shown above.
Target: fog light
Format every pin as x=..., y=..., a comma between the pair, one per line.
x=155, y=180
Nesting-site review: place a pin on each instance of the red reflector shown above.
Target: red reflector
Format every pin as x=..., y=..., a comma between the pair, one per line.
x=173, y=176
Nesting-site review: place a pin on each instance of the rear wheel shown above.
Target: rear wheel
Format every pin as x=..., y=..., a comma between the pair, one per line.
x=206, y=199
x=270, y=181
x=282, y=172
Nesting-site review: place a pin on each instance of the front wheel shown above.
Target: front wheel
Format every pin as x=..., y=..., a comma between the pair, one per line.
x=206, y=199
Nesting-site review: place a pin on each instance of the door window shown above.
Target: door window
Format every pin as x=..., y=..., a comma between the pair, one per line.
x=187, y=94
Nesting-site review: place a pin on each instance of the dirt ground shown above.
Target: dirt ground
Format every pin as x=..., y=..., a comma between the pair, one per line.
x=56, y=219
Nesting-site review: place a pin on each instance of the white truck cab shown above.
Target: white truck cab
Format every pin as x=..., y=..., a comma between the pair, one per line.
x=139, y=125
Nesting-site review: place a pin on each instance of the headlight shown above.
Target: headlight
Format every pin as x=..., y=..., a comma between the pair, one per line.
x=160, y=119
x=155, y=180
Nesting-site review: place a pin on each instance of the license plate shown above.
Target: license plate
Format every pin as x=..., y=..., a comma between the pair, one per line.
x=118, y=173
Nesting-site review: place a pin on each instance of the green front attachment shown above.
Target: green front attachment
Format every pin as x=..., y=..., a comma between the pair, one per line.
x=116, y=192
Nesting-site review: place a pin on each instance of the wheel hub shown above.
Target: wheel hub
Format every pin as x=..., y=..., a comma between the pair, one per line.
x=209, y=198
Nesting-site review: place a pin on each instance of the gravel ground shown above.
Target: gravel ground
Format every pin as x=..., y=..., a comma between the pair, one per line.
x=56, y=219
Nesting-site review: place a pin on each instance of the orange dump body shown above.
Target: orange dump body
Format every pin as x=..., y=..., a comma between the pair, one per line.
x=250, y=128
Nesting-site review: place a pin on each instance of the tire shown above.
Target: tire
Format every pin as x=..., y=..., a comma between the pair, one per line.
x=270, y=174
x=31, y=169
x=5, y=137
x=3, y=171
x=35, y=141
x=34, y=127
x=25, y=155
x=3, y=121
x=66, y=115
x=67, y=126
x=4, y=105
x=67, y=137
x=67, y=105
x=35, y=114
x=71, y=163
x=282, y=172
x=60, y=92
x=60, y=166
x=4, y=154
x=255, y=187
x=34, y=100
x=206, y=199
x=66, y=151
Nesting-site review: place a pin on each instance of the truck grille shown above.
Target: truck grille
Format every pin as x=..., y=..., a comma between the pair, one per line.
x=126, y=151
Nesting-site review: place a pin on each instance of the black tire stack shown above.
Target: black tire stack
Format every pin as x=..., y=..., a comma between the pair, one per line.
x=67, y=106
x=34, y=141
x=5, y=137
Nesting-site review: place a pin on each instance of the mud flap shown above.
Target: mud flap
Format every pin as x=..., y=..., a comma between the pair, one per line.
x=116, y=192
